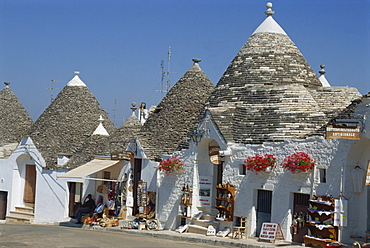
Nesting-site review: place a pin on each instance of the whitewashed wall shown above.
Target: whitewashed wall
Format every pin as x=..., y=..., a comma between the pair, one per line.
x=333, y=155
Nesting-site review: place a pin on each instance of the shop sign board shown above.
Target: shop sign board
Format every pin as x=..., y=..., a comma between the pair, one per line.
x=214, y=150
x=367, y=182
x=271, y=231
x=351, y=133
x=124, y=155
x=216, y=159
x=205, y=187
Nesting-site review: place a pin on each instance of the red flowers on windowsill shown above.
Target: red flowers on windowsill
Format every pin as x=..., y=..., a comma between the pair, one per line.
x=260, y=163
x=298, y=162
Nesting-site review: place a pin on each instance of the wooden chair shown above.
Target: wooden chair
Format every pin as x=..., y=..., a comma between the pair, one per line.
x=238, y=231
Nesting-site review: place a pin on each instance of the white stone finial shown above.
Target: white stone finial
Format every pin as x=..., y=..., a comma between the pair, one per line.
x=322, y=71
x=100, y=130
x=196, y=61
x=269, y=11
x=76, y=72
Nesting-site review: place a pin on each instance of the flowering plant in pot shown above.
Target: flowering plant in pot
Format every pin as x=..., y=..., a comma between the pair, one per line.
x=298, y=162
x=260, y=163
x=171, y=165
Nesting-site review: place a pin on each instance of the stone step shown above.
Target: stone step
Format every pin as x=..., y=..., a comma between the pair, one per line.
x=22, y=214
x=204, y=223
x=18, y=219
x=207, y=217
x=24, y=209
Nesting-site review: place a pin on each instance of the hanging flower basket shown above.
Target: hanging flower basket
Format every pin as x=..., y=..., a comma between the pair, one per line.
x=260, y=163
x=171, y=165
x=298, y=162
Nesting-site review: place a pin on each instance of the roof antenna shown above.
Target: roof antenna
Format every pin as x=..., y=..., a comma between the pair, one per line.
x=165, y=87
x=53, y=88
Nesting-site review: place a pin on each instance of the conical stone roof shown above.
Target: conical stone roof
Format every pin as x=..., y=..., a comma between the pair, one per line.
x=269, y=93
x=15, y=120
x=166, y=129
x=67, y=122
x=102, y=145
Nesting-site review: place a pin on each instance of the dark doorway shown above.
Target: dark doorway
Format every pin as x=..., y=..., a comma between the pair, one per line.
x=264, y=199
x=75, y=193
x=30, y=184
x=3, y=204
x=300, y=205
x=136, y=179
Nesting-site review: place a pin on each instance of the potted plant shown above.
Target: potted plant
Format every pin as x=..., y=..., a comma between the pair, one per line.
x=171, y=165
x=298, y=162
x=260, y=163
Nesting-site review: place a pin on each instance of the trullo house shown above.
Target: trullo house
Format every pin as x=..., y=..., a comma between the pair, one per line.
x=270, y=107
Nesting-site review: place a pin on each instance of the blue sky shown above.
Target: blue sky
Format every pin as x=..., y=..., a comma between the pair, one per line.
x=118, y=46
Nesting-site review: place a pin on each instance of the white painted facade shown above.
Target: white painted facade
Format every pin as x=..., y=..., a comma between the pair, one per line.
x=338, y=156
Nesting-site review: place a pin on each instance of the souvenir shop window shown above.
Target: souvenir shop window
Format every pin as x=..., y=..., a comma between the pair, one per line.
x=242, y=170
x=322, y=174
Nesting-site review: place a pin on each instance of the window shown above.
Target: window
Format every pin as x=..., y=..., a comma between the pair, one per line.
x=242, y=169
x=322, y=174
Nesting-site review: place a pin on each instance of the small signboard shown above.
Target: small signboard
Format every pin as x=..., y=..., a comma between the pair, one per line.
x=205, y=186
x=124, y=155
x=215, y=159
x=271, y=231
x=351, y=133
x=367, y=182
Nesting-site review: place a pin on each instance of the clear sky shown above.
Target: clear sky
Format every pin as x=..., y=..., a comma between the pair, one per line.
x=118, y=45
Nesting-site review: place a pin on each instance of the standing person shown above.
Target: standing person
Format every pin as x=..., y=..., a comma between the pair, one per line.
x=86, y=208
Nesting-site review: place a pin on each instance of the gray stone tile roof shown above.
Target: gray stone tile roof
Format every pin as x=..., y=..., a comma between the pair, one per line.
x=270, y=93
x=166, y=129
x=66, y=124
x=104, y=145
x=15, y=120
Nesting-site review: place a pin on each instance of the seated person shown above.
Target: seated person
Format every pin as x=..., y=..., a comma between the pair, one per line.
x=86, y=208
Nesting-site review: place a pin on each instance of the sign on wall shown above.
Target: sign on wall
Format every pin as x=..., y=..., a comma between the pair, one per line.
x=205, y=187
x=214, y=154
x=352, y=133
x=124, y=155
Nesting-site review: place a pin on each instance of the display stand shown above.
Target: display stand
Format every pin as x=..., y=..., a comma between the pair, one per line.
x=142, y=198
x=186, y=201
x=321, y=224
x=225, y=202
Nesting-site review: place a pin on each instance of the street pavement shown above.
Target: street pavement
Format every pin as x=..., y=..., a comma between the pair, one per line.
x=192, y=237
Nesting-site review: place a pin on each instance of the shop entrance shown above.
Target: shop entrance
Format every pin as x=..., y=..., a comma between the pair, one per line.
x=3, y=204
x=75, y=194
x=264, y=199
x=300, y=205
x=30, y=184
x=137, y=178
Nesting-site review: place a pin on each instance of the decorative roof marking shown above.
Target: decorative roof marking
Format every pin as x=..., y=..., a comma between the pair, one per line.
x=322, y=77
x=269, y=25
x=100, y=130
x=76, y=81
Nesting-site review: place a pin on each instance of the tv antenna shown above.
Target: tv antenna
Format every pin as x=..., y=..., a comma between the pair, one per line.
x=165, y=86
x=53, y=88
